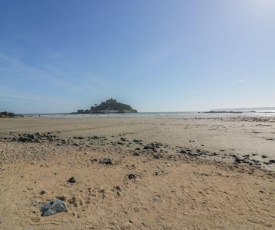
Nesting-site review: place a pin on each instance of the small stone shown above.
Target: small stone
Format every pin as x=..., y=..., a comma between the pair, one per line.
x=183, y=151
x=155, y=199
x=62, y=198
x=149, y=147
x=261, y=191
x=72, y=180
x=132, y=176
x=42, y=192
x=118, y=188
x=35, y=202
x=157, y=156
x=106, y=161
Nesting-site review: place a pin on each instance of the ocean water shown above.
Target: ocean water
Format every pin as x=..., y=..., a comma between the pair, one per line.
x=179, y=115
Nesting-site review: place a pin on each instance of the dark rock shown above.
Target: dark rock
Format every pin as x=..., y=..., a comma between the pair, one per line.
x=53, y=207
x=62, y=198
x=132, y=176
x=239, y=159
x=137, y=141
x=183, y=151
x=148, y=147
x=42, y=192
x=271, y=161
x=136, y=154
x=24, y=139
x=72, y=180
x=256, y=161
x=157, y=156
x=264, y=156
x=106, y=161
x=31, y=136
x=118, y=188
x=194, y=154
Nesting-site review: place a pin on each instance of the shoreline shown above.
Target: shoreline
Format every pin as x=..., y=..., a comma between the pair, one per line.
x=243, y=140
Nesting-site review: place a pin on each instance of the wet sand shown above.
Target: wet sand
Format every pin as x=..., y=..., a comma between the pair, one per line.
x=188, y=173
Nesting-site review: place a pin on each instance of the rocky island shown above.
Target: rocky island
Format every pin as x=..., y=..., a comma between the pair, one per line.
x=109, y=106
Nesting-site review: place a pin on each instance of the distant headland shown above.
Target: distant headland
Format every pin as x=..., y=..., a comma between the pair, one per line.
x=109, y=106
x=7, y=114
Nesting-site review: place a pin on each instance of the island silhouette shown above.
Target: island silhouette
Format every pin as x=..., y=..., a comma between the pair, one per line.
x=109, y=106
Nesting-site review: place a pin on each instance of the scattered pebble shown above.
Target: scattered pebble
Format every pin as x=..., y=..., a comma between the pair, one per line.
x=132, y=176
x=72, y=180
x=106, y=161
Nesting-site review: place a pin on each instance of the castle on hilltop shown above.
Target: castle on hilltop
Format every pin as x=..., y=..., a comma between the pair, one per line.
x=109, y=106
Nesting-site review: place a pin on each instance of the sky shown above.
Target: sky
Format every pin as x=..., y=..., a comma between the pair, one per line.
x=156, y=55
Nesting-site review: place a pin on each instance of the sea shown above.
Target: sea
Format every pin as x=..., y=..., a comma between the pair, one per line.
x=180, y=115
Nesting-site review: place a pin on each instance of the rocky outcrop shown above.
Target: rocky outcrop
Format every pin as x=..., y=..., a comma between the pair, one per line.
x=7, y=114
x=109, y=106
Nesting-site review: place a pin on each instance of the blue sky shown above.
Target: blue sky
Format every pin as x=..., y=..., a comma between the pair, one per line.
x=156, y=55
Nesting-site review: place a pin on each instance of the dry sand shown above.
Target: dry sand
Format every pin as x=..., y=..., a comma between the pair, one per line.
x=171, y=190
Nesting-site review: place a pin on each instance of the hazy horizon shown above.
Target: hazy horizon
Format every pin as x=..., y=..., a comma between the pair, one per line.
x=183, y=111
x=157, y=55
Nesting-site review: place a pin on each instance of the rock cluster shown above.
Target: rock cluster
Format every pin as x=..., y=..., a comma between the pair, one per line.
x=30, y=137
x=137, y=147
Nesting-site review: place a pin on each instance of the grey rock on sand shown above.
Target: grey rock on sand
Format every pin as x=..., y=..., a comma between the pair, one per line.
x=53, y=207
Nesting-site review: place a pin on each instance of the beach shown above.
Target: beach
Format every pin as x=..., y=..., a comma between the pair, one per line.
x=161, y=173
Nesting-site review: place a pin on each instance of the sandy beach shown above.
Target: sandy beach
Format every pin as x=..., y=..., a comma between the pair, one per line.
x=164, y=173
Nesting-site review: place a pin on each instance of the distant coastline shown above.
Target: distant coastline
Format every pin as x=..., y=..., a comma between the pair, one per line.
x=245, y=109
x=8, y=115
